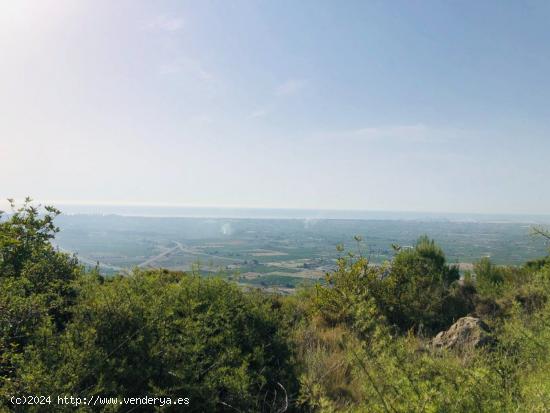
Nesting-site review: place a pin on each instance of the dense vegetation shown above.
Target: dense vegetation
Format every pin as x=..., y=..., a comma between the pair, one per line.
x=361, y=342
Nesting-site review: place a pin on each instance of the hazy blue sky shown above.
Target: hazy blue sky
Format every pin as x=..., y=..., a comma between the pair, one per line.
x=384, y=105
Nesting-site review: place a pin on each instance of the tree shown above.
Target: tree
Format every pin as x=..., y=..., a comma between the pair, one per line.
x=414, y=292
x=36, y=289
x=488, y=277
x=27, y=254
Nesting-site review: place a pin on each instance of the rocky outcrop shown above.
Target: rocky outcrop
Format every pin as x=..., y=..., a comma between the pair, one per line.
x=467, y=333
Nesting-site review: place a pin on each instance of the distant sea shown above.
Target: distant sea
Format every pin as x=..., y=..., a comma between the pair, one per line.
x=261, y=213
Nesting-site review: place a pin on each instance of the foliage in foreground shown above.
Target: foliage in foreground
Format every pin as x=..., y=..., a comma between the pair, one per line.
x=359, y=343
x=352, y=359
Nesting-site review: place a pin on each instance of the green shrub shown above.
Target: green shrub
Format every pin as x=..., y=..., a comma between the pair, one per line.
x=159, y=333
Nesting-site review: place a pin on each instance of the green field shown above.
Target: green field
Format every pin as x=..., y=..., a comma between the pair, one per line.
x=278, y=252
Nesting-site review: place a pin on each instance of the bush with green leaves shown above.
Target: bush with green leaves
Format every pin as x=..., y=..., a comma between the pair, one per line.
x=418, y=290
x=167, y=334
x=342, y=369
x=36, y=284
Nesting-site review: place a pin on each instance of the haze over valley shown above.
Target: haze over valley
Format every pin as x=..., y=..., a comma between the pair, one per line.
x=283, y=252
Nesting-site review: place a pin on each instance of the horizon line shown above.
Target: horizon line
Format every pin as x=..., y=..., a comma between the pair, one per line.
x=241, y=207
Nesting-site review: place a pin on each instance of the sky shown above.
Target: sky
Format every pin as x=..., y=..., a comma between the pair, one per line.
x=367, y=105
